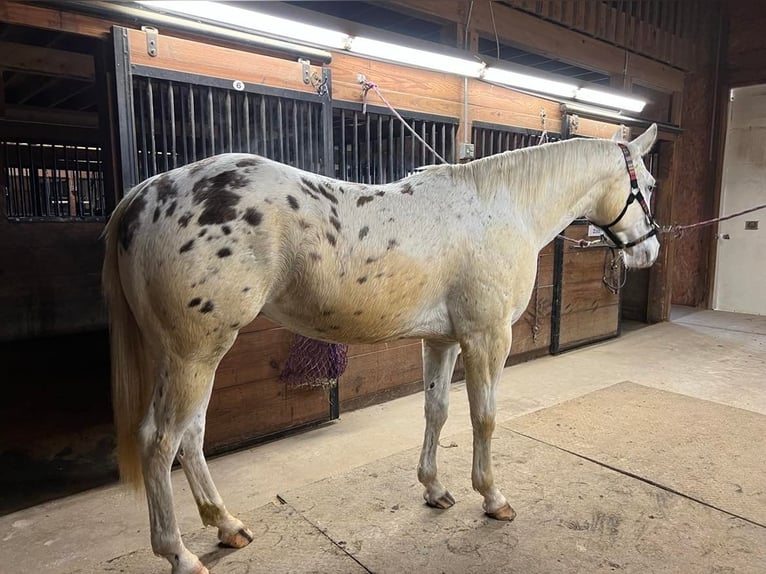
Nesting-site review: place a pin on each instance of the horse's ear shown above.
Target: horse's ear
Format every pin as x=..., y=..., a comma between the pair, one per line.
x=645, y=141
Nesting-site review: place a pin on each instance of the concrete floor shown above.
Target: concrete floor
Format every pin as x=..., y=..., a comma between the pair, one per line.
x=708, y=355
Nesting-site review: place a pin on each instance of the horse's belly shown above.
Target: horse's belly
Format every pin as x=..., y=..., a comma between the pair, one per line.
x=359, y=320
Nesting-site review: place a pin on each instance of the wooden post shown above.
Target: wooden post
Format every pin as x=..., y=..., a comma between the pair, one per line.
x=661, y=273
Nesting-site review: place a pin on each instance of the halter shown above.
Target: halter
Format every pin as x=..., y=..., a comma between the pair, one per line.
x=635, y=195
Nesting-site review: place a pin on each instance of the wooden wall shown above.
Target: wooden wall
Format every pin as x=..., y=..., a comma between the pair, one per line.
x=745, y=47
x=49, y=278
x=249, y=402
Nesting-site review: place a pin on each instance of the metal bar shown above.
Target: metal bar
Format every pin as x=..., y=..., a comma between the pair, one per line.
x=192, y=125
x=444, y=140
x=296, y=129
x=280, y=131
x=45, y=184
x=55, y=180
x=378, y=172
x=433, y=142
x=211, y=119
x=310, y=162
x=246, y=120
x=164, y=128
x=125, y=108
x=89, y=184
x=142, y=156
x=402, y=171
x=413, y=147
x=342, y=163
x=76, y=177
x=300, y=133
x=34, y=181
x=227, y=106
x=152, y=141
x=327, y=135
x=452, y=139
x=391, y=175
x=99, y=177
x=172, y=106
x=368, y=149
x=203, y=130
x=263, y=127
x=356, y=147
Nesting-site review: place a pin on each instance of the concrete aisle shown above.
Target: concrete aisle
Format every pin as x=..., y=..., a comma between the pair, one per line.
x=708, y=355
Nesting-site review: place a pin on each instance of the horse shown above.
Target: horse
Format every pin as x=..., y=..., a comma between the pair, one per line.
x=447, y=254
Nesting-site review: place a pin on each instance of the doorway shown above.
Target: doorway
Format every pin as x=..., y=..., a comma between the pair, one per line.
x=740, y=274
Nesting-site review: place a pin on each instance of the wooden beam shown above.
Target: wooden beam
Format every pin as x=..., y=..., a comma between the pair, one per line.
x=46, y=61
x=523, y=29
x=51, y=19
x=42, y=133
x=660, y=291
x=35, y=115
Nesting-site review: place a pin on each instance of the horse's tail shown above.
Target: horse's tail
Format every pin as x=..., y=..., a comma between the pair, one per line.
x=131, y=388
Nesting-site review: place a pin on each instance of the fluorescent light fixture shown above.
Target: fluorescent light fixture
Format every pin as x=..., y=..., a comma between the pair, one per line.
x=266, y=23
x=415, y=57
x=532, y=83
x=608, y=99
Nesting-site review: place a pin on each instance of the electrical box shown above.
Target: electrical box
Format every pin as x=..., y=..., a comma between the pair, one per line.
x=466, y=151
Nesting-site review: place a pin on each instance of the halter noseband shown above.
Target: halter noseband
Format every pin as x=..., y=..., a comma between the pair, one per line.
x=635, y=195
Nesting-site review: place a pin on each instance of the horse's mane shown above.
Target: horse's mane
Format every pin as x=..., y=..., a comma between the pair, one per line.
x=526, y=172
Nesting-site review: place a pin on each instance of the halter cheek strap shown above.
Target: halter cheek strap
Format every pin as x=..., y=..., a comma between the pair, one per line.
x=635, y=195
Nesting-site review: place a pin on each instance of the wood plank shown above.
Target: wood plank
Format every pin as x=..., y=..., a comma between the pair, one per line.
x=219, y=62
x=239, y=415
x=659, y=289
x=589, y=325
x=46, y=61
x=256, y=356
x=373, y=377
x=504, y=106
x=596, y=128
x=36, y=16
x=406, y=88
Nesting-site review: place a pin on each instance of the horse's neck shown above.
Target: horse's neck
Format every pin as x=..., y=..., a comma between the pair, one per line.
x=550, y=186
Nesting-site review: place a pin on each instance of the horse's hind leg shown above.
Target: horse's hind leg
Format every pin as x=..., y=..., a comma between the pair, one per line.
x=182, y=389
x=231, y=531
x=438, y=365
x=484, y=355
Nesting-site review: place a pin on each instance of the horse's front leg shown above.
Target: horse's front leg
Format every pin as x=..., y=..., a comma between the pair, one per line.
x=484, y=355
x=438, y=364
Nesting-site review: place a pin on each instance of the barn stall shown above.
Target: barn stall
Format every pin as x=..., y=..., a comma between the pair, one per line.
x=158, y=100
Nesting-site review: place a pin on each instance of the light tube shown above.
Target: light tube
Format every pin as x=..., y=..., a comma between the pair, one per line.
x=527, y=82
x=273, y=25
x=611, y=100
x=415, y=57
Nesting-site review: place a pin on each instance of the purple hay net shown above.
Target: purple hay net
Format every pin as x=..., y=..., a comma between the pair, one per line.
x=313, y=363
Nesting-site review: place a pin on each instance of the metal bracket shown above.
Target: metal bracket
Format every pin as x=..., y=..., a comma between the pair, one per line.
x=306, y=70
x=152, y=42
x=574, y=123
x=543, y=115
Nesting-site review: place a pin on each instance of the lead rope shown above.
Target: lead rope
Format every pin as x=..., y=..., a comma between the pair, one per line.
x=367, y=85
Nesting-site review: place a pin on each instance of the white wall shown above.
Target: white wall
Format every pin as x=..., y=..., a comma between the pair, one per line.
x=740, y=283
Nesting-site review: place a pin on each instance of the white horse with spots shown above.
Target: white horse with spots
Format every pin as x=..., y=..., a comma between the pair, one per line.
x=448, y=255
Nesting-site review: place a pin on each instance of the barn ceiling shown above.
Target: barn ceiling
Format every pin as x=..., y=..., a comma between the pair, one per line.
x=44, y=70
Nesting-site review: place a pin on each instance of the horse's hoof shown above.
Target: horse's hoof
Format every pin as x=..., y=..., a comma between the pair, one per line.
x=238, y=539
x=198, y=568
x=505, y=513
x=444, y=501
